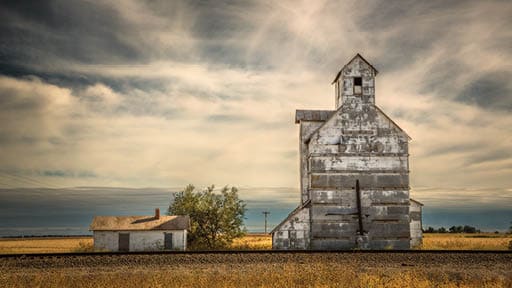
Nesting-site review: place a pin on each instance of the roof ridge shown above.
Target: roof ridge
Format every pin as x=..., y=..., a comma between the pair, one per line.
x=362, y=58
x=374, y=105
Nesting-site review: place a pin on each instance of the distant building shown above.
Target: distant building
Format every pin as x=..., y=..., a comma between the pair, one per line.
x=355, y=145
x=140, y=233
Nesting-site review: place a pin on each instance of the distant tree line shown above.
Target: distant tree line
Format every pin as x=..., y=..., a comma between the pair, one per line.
x=453, y=229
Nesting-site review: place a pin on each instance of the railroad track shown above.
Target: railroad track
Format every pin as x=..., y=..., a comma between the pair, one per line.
x=358, y=259
x=228, y=252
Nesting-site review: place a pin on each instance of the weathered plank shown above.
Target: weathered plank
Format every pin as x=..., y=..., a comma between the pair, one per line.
x=321, y=180
x=358, y=163
x=332, y=244
x=333, y=229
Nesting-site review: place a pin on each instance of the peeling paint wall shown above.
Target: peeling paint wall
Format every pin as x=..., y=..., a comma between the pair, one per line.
x=293, y=232
x=357, y=141
x=416, y=224
x=306, y=129
x=356, y=68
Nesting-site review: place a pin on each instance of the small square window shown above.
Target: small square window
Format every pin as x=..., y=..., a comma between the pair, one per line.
x=358, y=85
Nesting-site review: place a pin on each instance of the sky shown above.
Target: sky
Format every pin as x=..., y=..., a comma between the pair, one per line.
x=164, y=93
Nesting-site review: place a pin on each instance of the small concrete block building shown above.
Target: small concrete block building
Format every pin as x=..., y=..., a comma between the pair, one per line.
x=140, y=233
x=354, y=174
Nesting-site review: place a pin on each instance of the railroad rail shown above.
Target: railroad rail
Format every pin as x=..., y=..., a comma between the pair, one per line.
x=206, y=252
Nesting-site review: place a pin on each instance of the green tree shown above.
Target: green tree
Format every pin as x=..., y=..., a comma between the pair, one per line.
x=215, y=219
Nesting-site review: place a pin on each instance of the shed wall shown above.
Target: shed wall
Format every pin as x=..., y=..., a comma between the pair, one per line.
x=140, y=240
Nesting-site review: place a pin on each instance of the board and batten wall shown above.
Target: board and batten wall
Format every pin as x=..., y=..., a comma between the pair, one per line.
x=140, y=240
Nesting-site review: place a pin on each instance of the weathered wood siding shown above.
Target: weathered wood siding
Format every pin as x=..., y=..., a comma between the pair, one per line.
x=416, y=224
x=293, y=232
x=306, y=129
x=359, y=142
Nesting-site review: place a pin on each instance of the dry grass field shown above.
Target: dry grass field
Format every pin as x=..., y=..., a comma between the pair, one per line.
x=462, y=241
x=253, y=242
x=273, y=270
x=45, y=245
x=448, y=241
x=344, y=269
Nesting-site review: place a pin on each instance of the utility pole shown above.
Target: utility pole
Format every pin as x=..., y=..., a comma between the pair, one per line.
x=266, y=213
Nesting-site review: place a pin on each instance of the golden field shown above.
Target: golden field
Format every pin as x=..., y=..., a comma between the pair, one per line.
x=462, y=241
x=272, y=270
x=45, y=245
x=253, y=242
x=433, y=241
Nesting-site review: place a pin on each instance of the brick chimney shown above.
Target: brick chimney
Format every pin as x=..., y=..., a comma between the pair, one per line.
x=157, y=213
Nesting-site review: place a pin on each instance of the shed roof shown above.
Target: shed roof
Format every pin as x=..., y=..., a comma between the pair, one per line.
x=110, y=223
x=417, y=202
x=312, y=115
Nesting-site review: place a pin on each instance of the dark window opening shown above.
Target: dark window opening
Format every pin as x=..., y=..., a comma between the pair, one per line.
x=168, y=241
x=358, y=85
x=124, y=242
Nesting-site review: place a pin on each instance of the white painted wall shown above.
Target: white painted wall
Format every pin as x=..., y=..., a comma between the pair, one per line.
x=152, y=240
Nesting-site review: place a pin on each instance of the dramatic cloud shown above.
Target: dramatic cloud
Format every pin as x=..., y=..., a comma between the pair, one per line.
x=161, y=94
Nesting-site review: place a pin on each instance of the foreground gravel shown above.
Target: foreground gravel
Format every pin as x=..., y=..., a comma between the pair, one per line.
x=495, y=262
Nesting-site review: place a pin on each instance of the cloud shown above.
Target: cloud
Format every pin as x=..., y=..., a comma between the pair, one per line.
x=30, y=109
x=82, y=31
x=463, y=197
x=154, y=93
x=492, y=90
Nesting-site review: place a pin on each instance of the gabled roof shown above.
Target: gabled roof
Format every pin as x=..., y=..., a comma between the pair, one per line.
x=391, y=120
x=295, y=211
x=362, y=58
x=312, y=115
x=111, y=223
x=333, y=114
x=417, y=202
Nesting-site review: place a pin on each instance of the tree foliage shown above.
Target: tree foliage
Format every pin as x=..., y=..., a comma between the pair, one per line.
x=215, y=219
x=453, y=229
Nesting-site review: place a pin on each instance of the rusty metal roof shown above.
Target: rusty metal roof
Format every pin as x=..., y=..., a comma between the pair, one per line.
x=110, y=223
x=312, y=115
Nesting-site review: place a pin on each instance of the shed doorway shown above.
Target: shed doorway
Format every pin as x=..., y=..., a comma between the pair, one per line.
x=124, y=242
x=168, y=241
